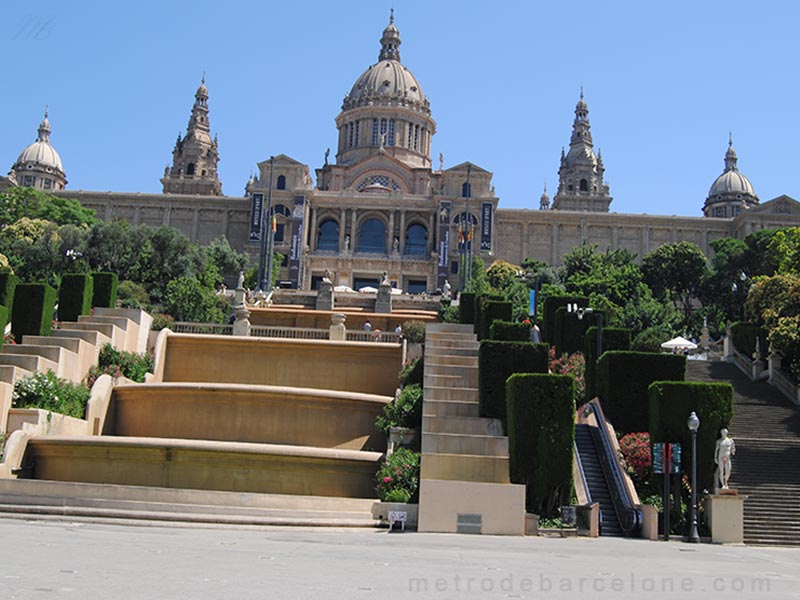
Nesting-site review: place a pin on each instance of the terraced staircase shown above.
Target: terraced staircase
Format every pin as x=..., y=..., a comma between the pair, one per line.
x=766, y=467
x=464, y=469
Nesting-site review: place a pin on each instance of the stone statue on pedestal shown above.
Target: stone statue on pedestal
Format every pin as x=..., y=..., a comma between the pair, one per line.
x=725, y=449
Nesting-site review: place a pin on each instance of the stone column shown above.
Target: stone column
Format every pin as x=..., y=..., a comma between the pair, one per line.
x=241, y=323
x=312, y=222
x=432, y=233
x=354, y=230
x=383, y=302
x=325, y=294
x=390, y=245
x=338, y=331
x=403, y=232
x=342, y=228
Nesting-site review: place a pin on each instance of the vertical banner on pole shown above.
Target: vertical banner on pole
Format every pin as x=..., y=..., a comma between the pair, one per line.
x=445, y=206
x=486, y=226
x=532, y=303
x=296, y=249
x=256, y=206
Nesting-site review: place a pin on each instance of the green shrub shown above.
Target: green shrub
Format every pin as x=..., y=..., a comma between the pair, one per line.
x=413, y=372
x=650, y=339
x=480, y=303
x=33, y=310
x=497, y=361
x=466, y=302
x=549, y=308
x=75, y=296
x=491, y=311
x=403, y=411
x=671, y=403
x=414, y=331
x=569, y=331
x=132, y=295
x=3, y=323
x=507, y=331
x=8, y=283
x=398, y=478
x=119, y=362
x=744, y=338
x=48, y=392
x=614, y=338
x=161, y=321
x=105, y=290
x=541, y=434
x=622, y=382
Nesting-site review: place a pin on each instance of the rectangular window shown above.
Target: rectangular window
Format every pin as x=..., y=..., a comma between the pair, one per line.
x=453, y=267
x=391, y=132
x=47, y=183
x=351, y=131
x=280, y=229
x=374, y=132
x=410, y=134
x=28, y=181
x=358, y=133
x=416, y=137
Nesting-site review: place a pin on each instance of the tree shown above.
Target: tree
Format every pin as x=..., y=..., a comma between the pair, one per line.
x=676, y=270
x=784, y=248
x=774, y=303
x=19, y=202
x=724, y=288
x=187, y=299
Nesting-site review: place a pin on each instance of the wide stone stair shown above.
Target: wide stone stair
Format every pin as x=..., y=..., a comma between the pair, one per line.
x=464, y=473
x=596, y=480
x=766, y=467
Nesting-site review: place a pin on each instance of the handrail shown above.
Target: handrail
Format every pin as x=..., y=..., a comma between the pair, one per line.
x=579, y=464
x=629, y=515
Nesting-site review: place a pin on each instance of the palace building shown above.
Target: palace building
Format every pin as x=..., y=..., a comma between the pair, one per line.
x=380, y=205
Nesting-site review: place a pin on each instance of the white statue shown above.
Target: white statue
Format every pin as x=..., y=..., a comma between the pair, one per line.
x=446, y=290
x=725, y=449
x=240, y=283
x=346, y=243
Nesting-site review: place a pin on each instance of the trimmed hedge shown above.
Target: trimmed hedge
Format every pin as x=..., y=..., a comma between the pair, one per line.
x=480, y=304
x=8, y=283
x=551, y=305
x=570, y=331
x=614, y=338
x=3, y=322
x=466, y=302
x=497, y=361
x=744, y=338
x=105, y=290
x=622, y=381
x=32, y=313
x=75, y=296
x=493, y=311
x=413, y=372
x=671, y=403
x=506, y=331
x=541, y=433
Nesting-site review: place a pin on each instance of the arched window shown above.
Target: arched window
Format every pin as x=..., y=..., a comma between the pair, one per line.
x=328, y=236
x=383, y=132
x=416, y=240
x=391, y=133
x=466, y=190
x=584, y=185
x=372, y=237
x=190, y=169
x=281, y=182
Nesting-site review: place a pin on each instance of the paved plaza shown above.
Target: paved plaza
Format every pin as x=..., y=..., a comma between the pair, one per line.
x=87, y=560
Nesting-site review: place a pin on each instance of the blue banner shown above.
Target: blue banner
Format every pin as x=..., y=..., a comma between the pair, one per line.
x=486, y=226
x=445, y=206
x=256, y=211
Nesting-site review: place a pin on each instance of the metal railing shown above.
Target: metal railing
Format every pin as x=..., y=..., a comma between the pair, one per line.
x=386, y=337
x=291, y=333
x=205, y=328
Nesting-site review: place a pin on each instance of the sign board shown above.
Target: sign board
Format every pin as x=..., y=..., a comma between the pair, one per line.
x=296, y=248
x=487, y=214
x=666, y=458
x=256, y=212
x=445, y=206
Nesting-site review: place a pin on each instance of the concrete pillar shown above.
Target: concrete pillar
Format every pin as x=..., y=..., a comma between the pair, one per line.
x=338, y=331
x=403, y=232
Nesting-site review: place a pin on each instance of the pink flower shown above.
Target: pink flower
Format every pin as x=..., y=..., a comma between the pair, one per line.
x=387, y=479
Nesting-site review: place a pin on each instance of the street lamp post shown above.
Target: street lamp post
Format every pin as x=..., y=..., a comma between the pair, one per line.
x=694, y=424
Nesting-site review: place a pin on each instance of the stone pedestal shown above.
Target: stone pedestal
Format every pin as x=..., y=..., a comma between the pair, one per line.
x=241, y=324
x=325, y=296
x=383, y=303
x=338, y=331
x=725, y=517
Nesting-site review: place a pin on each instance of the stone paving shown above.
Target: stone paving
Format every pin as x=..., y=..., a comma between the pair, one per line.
x=77, y=559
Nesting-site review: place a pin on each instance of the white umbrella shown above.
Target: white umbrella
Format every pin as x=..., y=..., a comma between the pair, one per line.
x=679, y=342
x=343, y=288
x=368, y=290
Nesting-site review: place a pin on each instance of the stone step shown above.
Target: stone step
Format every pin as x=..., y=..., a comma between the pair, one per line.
x=456, y=381
x=468, y=375
x=114, y=334
x=29, y=362
x=450, y=352
x=450, y=336
x=86, y=353
x=127, y=334
x=461, y=467
x=93, y=337
x=459, y=394
x=456, y=443
x=445, y=343
x=449, y=328
x=11, y=373
x=66, y=362
x=451, y=361
x=462, y=425
x=450, y=408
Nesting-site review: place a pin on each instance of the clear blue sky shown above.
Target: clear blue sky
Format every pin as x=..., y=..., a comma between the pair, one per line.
x=665, y=82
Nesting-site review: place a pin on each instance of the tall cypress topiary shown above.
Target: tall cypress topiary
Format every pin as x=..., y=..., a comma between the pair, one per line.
x=614, y=338
x=105, y=290
x=551, y=305
x=8, y=283
x=75, y=296
x=33, y=310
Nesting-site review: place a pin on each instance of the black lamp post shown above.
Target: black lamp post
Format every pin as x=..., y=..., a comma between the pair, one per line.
x=694, y=424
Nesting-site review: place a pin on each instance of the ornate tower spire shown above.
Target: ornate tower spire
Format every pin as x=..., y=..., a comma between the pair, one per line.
x=580, y=176
x=44, y=128
x=730, y=156
x=544, y=200
x=390, y=42
x=195, y=157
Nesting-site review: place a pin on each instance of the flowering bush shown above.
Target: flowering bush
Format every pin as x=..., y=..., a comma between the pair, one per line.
x=118, y=363
x=635, y=449
x=573, y=365
x=8, y=338
x=48, y=392
x=398, y=478
x=403, y=411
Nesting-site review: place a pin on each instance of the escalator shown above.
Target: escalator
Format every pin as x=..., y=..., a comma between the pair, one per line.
x=603, y=477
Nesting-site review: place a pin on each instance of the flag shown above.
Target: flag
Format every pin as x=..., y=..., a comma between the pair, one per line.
x=274, y=224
